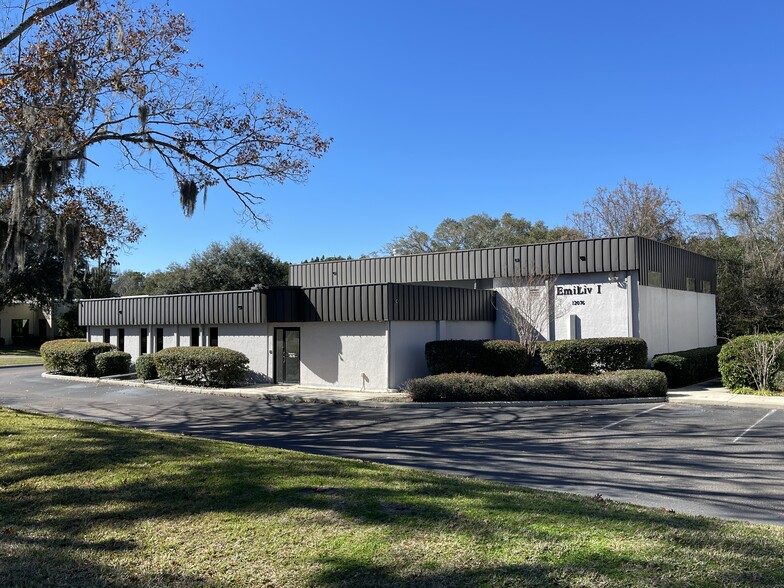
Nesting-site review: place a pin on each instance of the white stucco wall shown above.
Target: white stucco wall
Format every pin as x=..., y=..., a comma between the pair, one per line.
x=676, y=320
x=600, y=304
x=407, y=348
x=336, y=355
x=254, y=341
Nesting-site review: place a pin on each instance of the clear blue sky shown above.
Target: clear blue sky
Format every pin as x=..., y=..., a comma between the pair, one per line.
x=451, y=108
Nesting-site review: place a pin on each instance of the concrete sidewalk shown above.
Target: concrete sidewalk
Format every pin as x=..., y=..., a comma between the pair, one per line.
x=712, y=392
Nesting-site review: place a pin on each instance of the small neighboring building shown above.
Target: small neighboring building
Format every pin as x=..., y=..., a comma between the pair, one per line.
x=20, y=321
x=363, y=324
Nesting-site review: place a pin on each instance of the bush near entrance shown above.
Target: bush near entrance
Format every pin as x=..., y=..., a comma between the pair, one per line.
x=145, y=367
x=478, y=387
x=683, y=368
x=202, y=366
x=111, y=363
x=489, y=357
x=593, y=356
x=74, y=357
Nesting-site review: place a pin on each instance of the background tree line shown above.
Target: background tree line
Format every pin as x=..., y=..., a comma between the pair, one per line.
x=747, y=240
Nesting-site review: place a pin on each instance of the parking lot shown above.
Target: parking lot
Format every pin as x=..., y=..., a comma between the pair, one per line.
x=698, y=459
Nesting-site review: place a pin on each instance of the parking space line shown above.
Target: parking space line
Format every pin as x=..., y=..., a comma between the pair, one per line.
x=754, y=425
x=634, y=416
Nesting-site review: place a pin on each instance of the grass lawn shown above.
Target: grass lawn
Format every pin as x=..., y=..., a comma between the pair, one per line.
x=90, y=505
x=11, y=360
x=11, y=350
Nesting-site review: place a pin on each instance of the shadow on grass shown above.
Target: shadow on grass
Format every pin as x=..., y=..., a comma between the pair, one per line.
x=65, y=485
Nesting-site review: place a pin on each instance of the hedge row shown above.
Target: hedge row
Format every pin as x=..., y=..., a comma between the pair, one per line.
x=593, y=356
x=479, y=387
x=509, y=358
x=74, y=357
x=201, y=366
x=683, y=368
x=734, y=371
x=489, y=357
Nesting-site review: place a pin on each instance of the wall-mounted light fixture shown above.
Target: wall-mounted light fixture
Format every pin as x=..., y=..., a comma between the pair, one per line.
x=119, y=311
x=583, y=258
x=239, y=307
x=613, y=277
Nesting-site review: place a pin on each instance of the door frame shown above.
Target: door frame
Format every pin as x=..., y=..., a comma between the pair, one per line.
x=281, y=332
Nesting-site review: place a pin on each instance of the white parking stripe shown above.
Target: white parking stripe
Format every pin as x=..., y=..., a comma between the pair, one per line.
x=754, y=425
x=633, y=417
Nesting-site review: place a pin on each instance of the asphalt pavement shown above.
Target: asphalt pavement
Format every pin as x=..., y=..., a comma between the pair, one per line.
x=703, y=459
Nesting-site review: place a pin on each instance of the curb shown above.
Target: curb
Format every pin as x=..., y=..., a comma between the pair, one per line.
x=378, y=402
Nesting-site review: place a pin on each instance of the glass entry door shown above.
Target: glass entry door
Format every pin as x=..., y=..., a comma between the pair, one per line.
x=287, y=356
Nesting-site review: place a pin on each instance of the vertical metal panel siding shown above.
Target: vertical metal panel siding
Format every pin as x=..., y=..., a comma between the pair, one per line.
x=675, y=265
x=599, y=255
x=181, y=309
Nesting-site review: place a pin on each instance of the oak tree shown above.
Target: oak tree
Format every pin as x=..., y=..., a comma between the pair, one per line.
x=476, y=232
x=76, y=74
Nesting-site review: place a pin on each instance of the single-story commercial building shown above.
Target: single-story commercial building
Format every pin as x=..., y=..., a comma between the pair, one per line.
x=363, y=324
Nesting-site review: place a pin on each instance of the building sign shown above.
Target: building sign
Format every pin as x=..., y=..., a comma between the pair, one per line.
x=577, y=290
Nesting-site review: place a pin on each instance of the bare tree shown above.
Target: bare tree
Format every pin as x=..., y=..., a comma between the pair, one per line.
x=644, y=210
x=77, y=74
x=530, y=304
x=761, y=359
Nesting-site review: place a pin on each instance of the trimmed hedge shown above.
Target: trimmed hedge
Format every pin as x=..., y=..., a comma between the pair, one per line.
x=202, y=366
x=593, y=356
x=145, y=367
x=683, y=368
x=489, y=357
x=478, y=387
x=74, y=357
x=111, y=363
x=734, y=373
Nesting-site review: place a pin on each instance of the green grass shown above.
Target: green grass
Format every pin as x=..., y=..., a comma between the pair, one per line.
x=11, y=350
x=100, y=506
x=5, y=360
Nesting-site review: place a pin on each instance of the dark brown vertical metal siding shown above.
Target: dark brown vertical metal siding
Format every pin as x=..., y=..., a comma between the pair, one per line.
x=179, y=309
x=615, y=254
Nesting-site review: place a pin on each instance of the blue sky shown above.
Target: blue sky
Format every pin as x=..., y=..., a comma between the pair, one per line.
x=451, y=108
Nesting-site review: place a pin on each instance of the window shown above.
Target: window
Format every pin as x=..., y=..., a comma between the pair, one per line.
x=142, y=341
x=194, y=336
x=20, y=328
x=706, y=286
x=106, y=335
x=213, y=336
x=691, y=284
x=655, y=279
x=158, y=339
x=121, y=339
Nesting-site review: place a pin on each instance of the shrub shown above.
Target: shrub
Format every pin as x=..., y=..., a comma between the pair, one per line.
x=145, y=367
x=593, y=356
x=688, y=367
x=110, y=363
x=72, y=356
x=202, y=366
x=734, y=363
x=477, y=387
x=490, y=357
